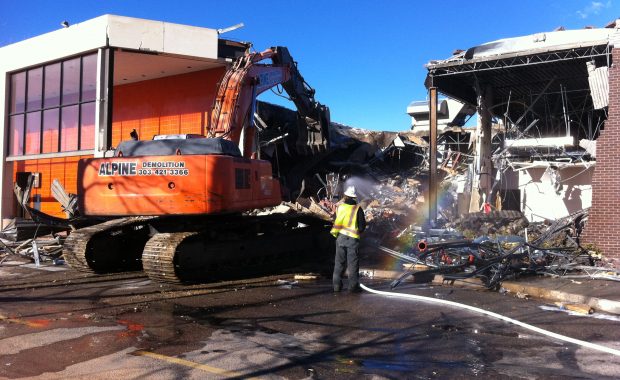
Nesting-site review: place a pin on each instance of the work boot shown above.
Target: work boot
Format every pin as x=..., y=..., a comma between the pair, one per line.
x=356, y=289
x=337, y=286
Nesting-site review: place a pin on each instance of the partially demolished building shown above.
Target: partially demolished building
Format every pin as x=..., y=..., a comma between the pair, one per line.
x=555, y=98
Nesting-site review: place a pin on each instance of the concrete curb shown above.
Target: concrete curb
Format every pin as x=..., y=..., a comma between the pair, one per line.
x=598, y=304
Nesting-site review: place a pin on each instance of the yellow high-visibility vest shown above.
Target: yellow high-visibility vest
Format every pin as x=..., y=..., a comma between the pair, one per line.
x=346, y=221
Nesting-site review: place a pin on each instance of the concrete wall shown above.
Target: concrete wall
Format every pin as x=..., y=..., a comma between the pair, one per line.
x=542, y=198
x=110, y=30
x=603, y=222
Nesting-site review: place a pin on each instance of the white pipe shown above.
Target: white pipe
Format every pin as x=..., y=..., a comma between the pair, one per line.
x=593, y=346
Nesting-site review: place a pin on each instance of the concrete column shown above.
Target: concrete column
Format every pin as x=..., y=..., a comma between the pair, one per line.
x=483, y=166
x=105, y=90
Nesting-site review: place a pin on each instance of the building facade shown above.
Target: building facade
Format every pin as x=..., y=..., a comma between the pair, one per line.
x=78, y=91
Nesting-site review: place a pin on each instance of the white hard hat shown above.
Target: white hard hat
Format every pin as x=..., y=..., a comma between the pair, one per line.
x=350, y=192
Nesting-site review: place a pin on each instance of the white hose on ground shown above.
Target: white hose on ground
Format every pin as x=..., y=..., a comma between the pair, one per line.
x=583, y=343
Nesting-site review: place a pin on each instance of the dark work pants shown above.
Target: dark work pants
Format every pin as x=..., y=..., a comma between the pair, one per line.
x=346, y=253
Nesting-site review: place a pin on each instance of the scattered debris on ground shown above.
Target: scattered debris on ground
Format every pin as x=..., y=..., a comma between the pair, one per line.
x=306, y=277
x=576, y=307
x=40, y=249
x=594, y=314
x=20, y=229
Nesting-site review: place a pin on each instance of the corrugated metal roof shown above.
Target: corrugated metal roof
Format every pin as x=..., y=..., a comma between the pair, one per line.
x=598, y=79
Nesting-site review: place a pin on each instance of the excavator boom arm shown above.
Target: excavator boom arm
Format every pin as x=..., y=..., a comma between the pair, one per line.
x=246, y=79
x=235, y=100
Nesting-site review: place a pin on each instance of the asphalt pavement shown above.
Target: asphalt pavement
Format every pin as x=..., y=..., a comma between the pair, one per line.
x=57, y=323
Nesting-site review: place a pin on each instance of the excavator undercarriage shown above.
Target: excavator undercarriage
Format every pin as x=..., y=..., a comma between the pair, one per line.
x=198, y=250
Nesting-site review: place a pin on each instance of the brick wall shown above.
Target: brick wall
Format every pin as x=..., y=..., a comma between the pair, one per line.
x=604, y=222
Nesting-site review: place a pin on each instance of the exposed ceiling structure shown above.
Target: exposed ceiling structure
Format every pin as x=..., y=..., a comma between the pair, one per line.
x=540, y=81
x=132, y=67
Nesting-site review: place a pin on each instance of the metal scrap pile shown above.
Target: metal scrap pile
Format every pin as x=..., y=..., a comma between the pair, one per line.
x=509, y=247
x=31, y=240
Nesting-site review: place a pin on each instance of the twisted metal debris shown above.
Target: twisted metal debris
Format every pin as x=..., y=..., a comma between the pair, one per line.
x=553, y=250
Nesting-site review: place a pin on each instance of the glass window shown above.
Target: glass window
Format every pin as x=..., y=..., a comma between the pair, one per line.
x=35, y=89
x=50, y=131
x=16, y=135
x=87, y=126
x=69, y=129
x=89, y=77
x=71, y=81
x=33, y=133
x=52, y=86
x=18, y=92
x=52, y=107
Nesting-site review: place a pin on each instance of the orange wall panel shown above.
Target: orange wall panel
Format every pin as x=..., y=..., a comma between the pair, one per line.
x=170, y=105
x=63, y=168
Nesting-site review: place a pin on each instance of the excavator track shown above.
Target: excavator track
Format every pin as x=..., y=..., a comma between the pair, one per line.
x=159, y=254
x=216, y=251
x=169, y=253
x=111, y=246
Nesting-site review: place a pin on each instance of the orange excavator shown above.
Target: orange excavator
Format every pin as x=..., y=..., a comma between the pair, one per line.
x=176, y=202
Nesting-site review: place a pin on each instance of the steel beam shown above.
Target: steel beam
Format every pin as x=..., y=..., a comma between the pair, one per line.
x=432, y=187
x=515, y=60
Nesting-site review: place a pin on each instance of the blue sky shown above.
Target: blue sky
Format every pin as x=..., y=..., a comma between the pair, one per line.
x=364, y=58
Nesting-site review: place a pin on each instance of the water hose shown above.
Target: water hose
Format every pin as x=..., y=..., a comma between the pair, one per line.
x=564, y=338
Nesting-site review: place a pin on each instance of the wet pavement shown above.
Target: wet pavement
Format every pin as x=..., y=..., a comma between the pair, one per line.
x=63, y=324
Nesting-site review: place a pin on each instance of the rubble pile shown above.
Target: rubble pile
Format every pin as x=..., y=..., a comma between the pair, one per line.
x=564, y=231
x=20, y=229
x=506, y=222
x=43, y=248
x=385, y=167
x=561, y=233
x=35, y=241
x=501, y=244
x=391, y=209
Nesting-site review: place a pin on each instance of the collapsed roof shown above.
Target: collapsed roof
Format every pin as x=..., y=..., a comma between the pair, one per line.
x=352, y=151
x=555, y=81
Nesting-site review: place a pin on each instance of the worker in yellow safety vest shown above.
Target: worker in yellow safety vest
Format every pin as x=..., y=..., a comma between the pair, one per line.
x=348, y=226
